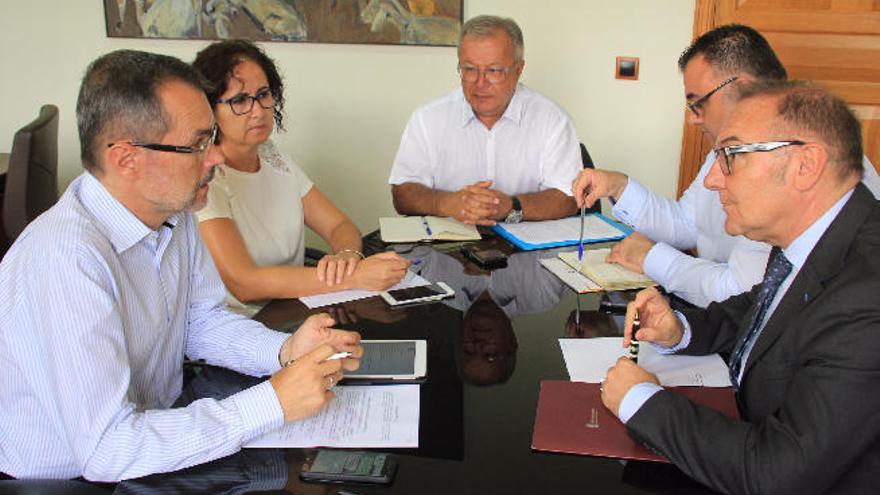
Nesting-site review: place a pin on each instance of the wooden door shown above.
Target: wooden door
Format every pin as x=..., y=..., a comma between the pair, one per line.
x=835, y=43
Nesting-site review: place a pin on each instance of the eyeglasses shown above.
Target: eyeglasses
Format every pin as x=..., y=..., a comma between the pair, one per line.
x=727, y=153
x=697, y=106
x=198, y=148
x=495, y=75
x=243, y=103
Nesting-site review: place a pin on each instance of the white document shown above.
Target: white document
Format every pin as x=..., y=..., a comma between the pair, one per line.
x=369, y=416
x=573, y=278
x=339, y=297
x=588, y=360
x=566, y=229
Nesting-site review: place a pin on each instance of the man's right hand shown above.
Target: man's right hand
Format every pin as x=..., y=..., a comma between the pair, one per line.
x=597, y=184
x=380, y=271
x=303, y=388
x=657, y=320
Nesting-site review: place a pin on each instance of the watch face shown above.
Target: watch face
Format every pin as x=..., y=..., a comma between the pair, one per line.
x=514, y=216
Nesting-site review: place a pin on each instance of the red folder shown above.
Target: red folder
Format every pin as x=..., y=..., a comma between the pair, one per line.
x=571, y=419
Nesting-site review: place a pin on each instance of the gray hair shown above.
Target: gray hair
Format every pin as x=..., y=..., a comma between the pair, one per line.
x=119, y=99
x=809, y=108
x=484, y=26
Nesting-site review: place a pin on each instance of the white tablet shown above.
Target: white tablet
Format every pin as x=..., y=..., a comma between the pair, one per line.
x=391, y=360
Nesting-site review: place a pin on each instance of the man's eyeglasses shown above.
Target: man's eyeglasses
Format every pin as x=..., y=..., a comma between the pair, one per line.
x=727, y=153
x=198, y=148
x=243, y=103
x=697, y=106
x=495, y=75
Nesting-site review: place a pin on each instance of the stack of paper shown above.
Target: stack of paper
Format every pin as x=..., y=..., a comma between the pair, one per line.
x=342, y=296
x=610, y=276
x=415, y=229
x=588, y=360
x=571, y=276
x=360, y=417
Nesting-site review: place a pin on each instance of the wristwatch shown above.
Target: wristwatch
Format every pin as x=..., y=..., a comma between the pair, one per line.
x=516, y=214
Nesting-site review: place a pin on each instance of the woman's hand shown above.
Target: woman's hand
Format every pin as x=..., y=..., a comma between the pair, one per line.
x=380, y=271
x=334, y=268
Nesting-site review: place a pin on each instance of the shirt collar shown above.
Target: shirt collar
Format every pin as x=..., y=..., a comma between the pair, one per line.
x=122, y=228
x=513, y=112
x=798, y=251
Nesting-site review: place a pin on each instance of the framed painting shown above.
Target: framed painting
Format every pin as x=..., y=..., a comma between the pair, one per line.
x=405, y=22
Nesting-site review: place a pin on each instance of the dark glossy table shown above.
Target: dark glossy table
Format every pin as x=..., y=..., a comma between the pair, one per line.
x=489, y=348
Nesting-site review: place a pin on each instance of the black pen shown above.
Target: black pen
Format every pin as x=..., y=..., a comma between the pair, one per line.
x=633, y=342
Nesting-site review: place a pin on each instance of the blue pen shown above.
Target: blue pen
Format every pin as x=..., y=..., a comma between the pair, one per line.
x=581, y=241
x=427, y=227
x=417, y=263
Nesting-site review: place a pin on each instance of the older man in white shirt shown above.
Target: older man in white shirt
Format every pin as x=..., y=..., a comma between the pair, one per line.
x=493, y=150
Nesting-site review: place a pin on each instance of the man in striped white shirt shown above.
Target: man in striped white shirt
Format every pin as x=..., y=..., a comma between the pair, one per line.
x=103, y=295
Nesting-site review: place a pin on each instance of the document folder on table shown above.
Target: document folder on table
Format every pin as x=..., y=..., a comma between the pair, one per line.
x=571, y=419
x=427, y=228
x=564, y=232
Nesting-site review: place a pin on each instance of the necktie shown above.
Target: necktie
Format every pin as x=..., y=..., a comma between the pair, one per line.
x=778, y=268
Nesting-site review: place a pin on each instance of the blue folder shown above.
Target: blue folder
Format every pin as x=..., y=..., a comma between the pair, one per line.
x=525, y=246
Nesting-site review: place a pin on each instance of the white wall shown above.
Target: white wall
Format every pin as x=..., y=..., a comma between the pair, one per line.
x=349, y=103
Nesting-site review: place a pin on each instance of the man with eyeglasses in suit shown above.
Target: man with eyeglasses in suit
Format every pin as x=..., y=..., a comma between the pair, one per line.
x=803, y=344
x=713, y=67
x=492, y=151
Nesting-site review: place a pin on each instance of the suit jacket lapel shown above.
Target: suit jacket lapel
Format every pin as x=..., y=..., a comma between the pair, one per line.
x=825, y=261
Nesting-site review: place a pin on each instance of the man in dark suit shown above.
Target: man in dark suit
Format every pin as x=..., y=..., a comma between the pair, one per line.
x=804, y=344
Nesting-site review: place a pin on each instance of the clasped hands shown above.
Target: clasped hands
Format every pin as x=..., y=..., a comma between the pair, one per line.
x=377, y=272
x=658, y=324
x=477, y=204
x=303, y=387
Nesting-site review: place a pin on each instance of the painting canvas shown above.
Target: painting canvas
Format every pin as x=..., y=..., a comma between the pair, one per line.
x=409, y=22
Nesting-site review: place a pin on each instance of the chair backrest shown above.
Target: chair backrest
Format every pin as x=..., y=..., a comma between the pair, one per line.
x=32, y=178
x=587, y=162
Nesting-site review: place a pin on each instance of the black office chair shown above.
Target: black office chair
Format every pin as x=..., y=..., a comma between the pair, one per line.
x=587, y=162
x=32, y=178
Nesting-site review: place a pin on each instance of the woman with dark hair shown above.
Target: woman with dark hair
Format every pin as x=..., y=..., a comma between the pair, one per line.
x=260, y=199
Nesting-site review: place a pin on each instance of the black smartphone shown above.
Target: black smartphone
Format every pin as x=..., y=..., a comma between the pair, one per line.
x=350, y=466
x=489, y=259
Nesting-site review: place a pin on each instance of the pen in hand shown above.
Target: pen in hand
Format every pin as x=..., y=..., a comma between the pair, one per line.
x=581, y=241
x=633, y=342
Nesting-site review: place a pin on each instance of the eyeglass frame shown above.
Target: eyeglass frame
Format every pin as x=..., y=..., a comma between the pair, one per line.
x=697, y=105
x=253, y=98
x=727, y=153
x=198, y=149
x=502, y=71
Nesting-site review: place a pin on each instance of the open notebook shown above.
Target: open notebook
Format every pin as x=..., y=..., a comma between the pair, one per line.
x=418, y=228
x=609, y=276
